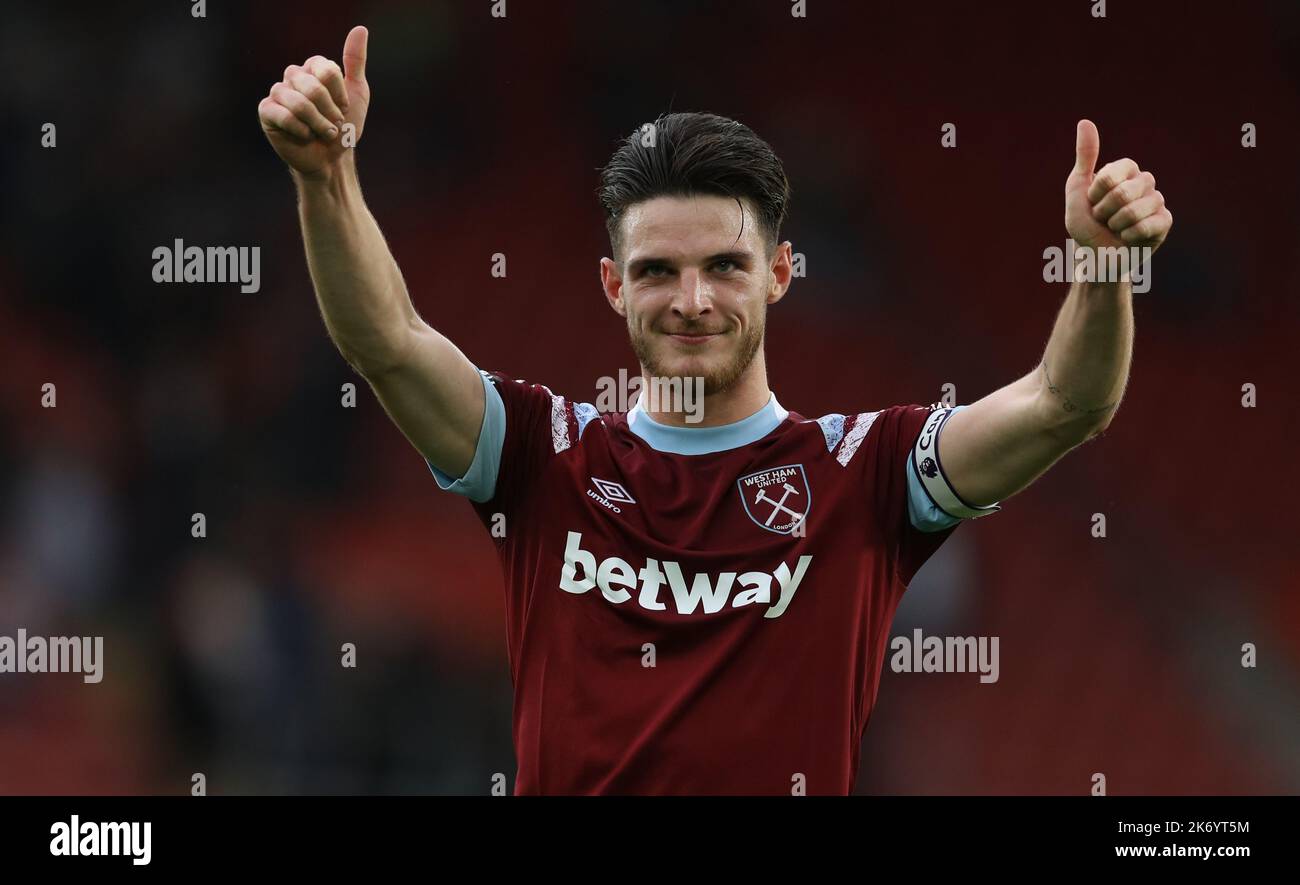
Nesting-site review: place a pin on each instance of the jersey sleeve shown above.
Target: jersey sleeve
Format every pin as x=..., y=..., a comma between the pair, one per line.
x=479, y=482
x=517, y=437
x=918, y=506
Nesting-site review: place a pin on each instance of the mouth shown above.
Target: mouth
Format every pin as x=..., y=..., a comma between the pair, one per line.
x=693, y=339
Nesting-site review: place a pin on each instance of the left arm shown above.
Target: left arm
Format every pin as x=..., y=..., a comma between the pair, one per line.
x=1000, y=444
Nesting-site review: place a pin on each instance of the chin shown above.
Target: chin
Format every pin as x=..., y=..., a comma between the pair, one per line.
x=688, y=367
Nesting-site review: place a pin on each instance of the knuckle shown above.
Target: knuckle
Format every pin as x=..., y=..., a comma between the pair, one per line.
x=291, y=99
x=321, y=67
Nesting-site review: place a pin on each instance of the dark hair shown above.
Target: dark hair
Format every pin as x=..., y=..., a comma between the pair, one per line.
x=691, y=154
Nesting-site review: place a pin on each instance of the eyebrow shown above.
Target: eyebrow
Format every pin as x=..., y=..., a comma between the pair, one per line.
x=737, y=256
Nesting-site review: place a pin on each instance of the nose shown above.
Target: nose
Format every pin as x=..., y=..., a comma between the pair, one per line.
x=693, y=298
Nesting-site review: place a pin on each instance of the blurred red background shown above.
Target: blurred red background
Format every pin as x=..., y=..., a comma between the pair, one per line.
x=1119, y=655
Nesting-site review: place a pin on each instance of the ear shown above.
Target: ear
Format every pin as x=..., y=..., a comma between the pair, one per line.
x=781, y=272
x=611, y=280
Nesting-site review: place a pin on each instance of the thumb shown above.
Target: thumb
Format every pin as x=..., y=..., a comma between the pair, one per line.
x=354, y=54
x=1087, y=144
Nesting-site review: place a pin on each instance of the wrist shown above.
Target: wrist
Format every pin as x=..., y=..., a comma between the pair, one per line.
x=332, y=180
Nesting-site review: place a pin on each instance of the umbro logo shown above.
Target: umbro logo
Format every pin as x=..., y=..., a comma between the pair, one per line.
x=610, y=492
x=613, y=491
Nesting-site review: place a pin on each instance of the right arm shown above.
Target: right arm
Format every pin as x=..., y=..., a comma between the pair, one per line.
x=429, y=388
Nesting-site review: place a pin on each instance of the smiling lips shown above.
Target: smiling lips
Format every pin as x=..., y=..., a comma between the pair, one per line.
x=693, y=337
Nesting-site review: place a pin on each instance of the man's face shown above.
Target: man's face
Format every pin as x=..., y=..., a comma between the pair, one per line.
x=694, y=286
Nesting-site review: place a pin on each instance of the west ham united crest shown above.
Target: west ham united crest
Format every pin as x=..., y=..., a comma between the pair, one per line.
x=776, y=499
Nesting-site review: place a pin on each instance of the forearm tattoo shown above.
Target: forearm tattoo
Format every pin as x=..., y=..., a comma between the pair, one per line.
x=1070, y=405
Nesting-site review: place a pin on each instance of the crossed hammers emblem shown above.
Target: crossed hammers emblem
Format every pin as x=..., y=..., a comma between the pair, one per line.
x=779, y=505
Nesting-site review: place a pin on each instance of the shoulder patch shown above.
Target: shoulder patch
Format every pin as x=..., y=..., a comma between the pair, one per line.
x=833, y=429
x=585, y=413
x=856, y=433
x=559, y=424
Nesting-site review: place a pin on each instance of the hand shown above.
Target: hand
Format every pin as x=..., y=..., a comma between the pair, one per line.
x=1116, y=207
x=304, y=114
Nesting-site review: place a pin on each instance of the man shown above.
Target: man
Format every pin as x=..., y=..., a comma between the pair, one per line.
x=697, y=606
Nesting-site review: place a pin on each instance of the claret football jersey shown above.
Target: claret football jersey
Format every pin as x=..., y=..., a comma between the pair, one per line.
x=700, y=610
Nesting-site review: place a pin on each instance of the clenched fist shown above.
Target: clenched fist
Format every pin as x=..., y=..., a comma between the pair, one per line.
x=305, y=114
x=1118, y=206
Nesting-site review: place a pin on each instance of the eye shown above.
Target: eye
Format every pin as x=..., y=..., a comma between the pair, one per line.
x=653, y=270
x=731, y=265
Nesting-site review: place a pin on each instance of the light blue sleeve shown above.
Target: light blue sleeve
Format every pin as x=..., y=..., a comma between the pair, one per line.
x=925, y=514
x=480, y=480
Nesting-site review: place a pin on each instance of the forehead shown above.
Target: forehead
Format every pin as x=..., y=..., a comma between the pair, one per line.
x=694, y=226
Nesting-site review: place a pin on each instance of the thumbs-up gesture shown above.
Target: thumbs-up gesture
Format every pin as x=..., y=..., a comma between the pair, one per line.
x=306, y=115
x=1117, y=206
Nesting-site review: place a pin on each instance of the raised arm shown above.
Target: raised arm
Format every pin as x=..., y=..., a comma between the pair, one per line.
x=1003, y=442
x=314, y=118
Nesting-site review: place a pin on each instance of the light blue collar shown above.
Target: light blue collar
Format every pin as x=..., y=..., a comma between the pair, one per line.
x=690, y=440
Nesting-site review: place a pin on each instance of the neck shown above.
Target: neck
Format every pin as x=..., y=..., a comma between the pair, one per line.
x=742, y=399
